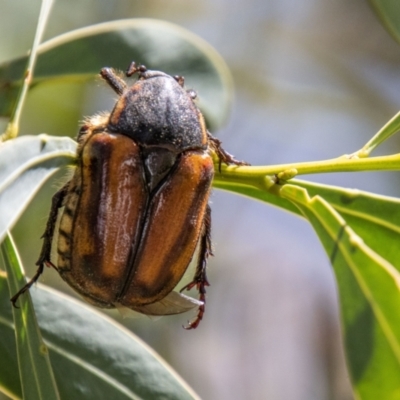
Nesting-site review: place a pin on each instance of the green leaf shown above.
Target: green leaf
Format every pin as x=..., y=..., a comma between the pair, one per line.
x=369, y=296
x=13, y=125
x=256, y=194
x=375, y=218
x=361, y=233
x=389, y=13
x=158, y=45
x=37, y=379
x=93, y=357
x=389, y=129
x=25, y=164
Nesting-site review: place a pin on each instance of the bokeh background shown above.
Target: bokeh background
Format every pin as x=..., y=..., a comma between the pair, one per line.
x=314, y=79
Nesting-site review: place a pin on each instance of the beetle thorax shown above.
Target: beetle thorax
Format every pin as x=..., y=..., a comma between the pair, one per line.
x=159, y=112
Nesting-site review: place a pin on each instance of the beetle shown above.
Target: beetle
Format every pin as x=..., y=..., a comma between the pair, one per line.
x=136, y=208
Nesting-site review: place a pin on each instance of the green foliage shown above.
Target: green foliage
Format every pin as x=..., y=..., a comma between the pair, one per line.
x=91, y=355
x=389, y=13
x=369, y=293
x=359, y=231
x=158, y=45
x=31, y=351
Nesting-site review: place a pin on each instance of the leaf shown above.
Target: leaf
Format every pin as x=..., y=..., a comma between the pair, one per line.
x=158, y=45
x=93, y=357
x=13, y=124
x=375, y=218
x=37, y=379
x=389, y=129
x=389, y=13
x=360, y=232
x=256, y=194
x=25, y=164
x=369, y=296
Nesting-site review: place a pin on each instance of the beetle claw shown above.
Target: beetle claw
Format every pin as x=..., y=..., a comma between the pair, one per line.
x=14, y=300
x=223, y=156
x=196, y=321
x=188, y=286
x=27, y=286
x=49, y=264
x=200, y=282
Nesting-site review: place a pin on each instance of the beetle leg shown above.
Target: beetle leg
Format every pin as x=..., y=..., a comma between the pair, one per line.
x=223, y=156
x=44, y=259
x=116, y=83
x=56, y=203
x=200, y=277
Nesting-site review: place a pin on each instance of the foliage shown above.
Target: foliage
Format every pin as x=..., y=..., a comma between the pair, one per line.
x=358, y=230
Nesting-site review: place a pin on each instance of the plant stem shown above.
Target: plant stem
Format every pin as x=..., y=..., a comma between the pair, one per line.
x=13, y=125
x=256, y=176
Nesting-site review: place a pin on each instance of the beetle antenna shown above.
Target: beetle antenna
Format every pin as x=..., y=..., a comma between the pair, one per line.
x=133, y=68
x=116, y=83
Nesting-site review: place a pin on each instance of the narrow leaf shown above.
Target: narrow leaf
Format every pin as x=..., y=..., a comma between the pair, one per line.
x=369, y=290
x=36, y=374
x=93, y=357
x=13, y=125
x=389, y=129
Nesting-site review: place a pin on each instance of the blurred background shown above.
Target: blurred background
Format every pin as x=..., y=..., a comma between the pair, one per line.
x=314, y=79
